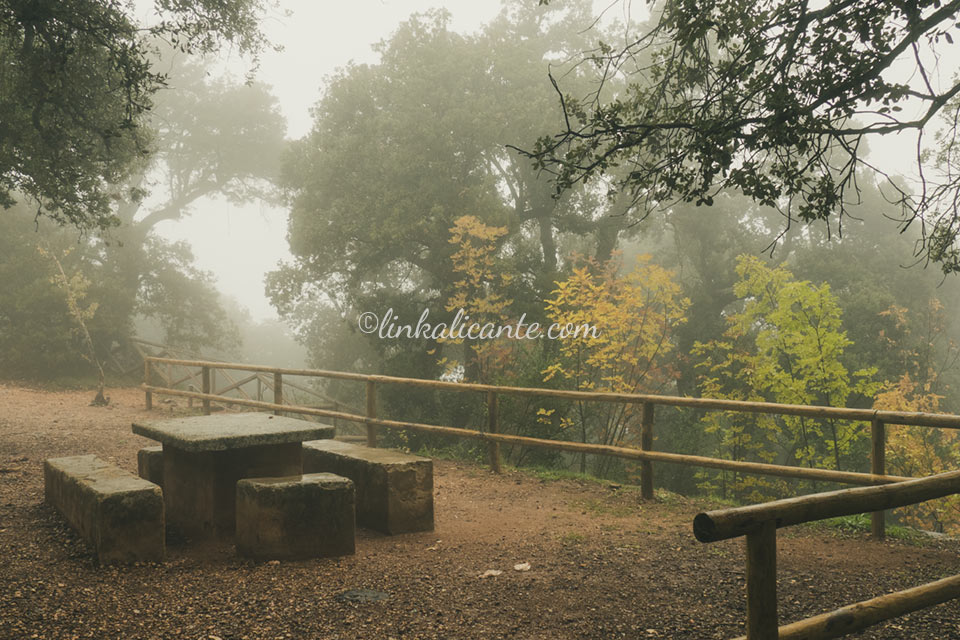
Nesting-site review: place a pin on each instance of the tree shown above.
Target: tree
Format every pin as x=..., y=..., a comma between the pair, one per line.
x=74, y=289
x=621, y=334
x=704, y=257
x=38, y=333
x=382, y=176
x=868, y=272
x=478, y=293
x=403, y=148
x=212, y=137
x=918, y=339
x=785, y=345
x=774, y=99
x=180, y=299
x=76, y=85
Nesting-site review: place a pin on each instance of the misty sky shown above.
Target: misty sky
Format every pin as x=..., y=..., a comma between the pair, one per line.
x=240, y=244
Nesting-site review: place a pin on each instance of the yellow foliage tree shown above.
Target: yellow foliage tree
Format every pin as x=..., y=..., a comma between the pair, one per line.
x=478, y=292
x=913, y=450
x=634, y=317
x=74, y=289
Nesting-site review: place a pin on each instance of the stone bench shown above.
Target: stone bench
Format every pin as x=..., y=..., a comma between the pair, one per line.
x=150, y=464
x=394, y=489
x=295, y=517
x=118, y=514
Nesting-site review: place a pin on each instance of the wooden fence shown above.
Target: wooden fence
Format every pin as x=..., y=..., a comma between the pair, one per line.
x=220, y=381
x=759, y=523
x=645, y=454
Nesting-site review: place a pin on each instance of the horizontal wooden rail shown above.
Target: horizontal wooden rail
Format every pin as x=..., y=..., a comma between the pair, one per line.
x=759, y=524
x=759, y=468
x=861, y=615
x=739, y=521
x=235, y=384
x=840, y=413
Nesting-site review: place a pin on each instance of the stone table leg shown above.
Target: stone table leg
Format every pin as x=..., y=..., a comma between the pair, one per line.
x=200, y=488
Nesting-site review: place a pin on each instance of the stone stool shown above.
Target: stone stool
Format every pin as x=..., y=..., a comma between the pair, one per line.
x=394, y=489
x=295, y=517
x=150, y=464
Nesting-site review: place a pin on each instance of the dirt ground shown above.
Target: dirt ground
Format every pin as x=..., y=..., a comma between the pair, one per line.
x=603, y=564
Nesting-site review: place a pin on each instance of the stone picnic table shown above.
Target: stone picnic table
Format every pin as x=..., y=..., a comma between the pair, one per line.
x=205, y=456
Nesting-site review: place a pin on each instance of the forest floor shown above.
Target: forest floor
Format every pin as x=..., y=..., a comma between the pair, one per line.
x=603, y=563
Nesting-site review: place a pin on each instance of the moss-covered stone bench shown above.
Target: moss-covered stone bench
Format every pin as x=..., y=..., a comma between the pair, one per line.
x=296, y=517
x=394, y=490
x=118, y=514
x=150, y=464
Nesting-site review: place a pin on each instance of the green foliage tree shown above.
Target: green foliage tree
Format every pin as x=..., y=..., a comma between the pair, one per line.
x=704, y=258
x=37, y=334
x=869, y=271
x=212, y=138
x=773, y=99
x=785, y=345
x=38, y=330
x=388, y=167
x=76, y=85
x=403, y=148
x=74, y=288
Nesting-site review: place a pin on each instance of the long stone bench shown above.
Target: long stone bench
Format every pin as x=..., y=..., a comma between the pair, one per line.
x=296, y=517
x=118, y=514
x=394, y=490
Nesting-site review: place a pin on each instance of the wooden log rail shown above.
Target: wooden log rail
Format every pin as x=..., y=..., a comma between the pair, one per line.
x=946, y=421
x=823, y=475
x=759, y=523
x=877, y=420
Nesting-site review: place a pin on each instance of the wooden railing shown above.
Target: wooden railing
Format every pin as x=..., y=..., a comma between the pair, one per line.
x=256, y=385
x=645, y=454
x=759, y=523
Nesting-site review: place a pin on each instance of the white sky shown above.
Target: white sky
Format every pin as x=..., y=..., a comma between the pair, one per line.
x=239, y=245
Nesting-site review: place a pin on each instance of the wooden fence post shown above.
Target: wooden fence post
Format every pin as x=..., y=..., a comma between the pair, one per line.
x=205, y=388
x=493, y=423
x=371, y=413
x=762, y=583
x=646, y=444
x=277, y=391
x=878, y=442
x=259, y=388
x=146, y=381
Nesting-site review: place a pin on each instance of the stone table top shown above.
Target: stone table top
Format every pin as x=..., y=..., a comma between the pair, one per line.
x=231, y=431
